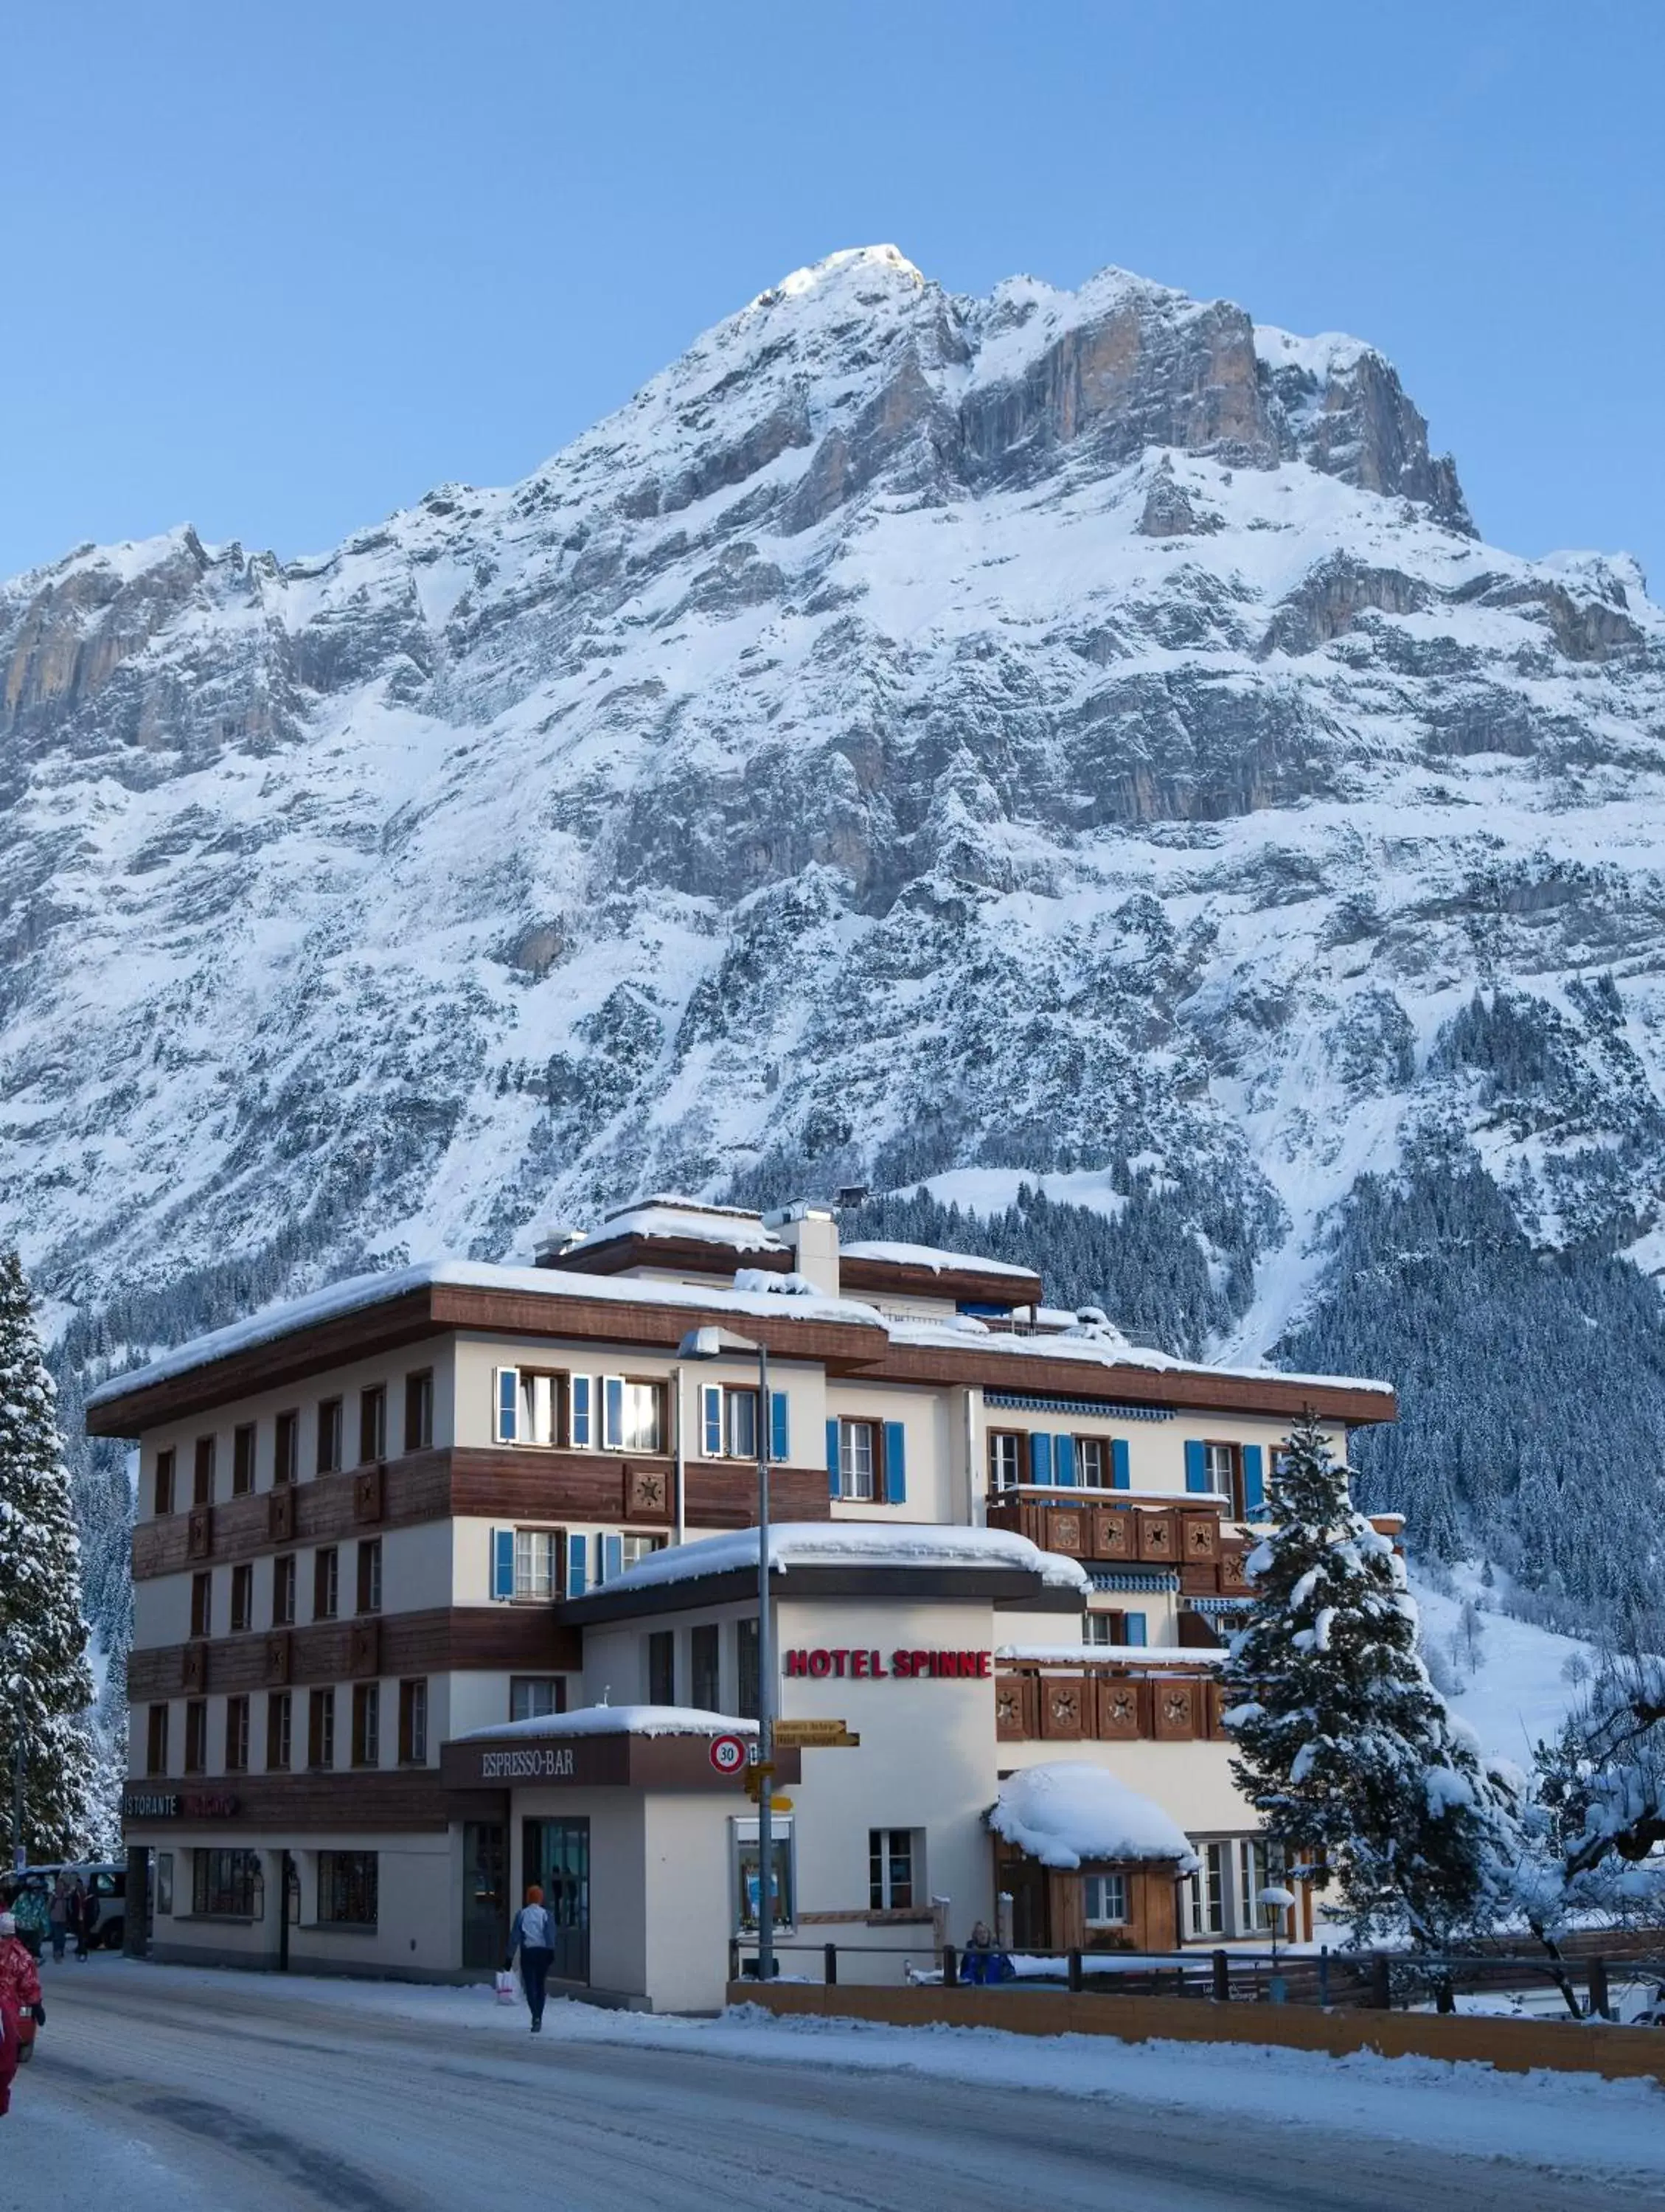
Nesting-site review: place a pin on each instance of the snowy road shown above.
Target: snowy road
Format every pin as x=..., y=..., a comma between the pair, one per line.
x=154, y=2088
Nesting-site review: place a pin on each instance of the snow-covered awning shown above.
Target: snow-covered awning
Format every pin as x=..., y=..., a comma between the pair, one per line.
x=852, y=1543
x=1067, y=1811
x=611, y=1720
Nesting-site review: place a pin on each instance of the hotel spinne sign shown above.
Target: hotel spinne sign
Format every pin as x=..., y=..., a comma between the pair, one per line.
x=867, y=1666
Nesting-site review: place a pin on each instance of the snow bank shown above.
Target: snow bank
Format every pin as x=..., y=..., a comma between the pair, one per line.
x=1068, y=1811
x=682, y=1219
x=937, y=1259
x=838, y=1543
x=613, y=1720
x=1126, y=1656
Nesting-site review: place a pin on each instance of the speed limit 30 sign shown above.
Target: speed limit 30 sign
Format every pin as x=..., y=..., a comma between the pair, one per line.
x=728, y=1754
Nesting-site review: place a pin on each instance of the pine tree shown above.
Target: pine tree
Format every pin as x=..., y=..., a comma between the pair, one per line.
x=46, y=1684
x=1344, y=1746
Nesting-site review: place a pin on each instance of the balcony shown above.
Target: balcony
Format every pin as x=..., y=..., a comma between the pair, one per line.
x=1121, y=1701
x=1099, y=1529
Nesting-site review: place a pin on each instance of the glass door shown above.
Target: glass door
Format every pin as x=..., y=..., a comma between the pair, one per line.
x=556, y=1854
x=485, y=1892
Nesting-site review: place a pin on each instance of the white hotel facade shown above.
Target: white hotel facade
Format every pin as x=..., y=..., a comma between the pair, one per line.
x=445, y=1579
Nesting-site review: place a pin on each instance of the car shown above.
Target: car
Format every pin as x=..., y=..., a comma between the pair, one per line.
x=106, y=1879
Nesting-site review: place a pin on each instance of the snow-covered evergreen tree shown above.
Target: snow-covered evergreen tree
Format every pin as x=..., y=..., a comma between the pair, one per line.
x=1344, y=1746
x=46, y=1684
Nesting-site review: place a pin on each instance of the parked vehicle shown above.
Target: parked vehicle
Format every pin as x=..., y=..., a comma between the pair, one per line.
x=106, y=1879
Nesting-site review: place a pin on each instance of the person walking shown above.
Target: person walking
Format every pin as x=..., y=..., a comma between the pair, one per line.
x=533, y=1936
x=92, y=1912
x=30, y=1912
x=58, y=1916
x=20, y=1992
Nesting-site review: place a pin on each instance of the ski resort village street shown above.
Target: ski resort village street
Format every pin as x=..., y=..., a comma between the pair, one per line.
x=196, y=2090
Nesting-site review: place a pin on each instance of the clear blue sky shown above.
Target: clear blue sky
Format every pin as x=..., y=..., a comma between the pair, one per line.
x=276, y=271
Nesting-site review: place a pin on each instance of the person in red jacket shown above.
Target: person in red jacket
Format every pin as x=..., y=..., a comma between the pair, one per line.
x=20, y=1992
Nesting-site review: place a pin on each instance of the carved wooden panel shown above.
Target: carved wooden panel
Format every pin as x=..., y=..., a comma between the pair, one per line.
x=1063, y=1707
x=1066, y=1530
x=646, y=1494
x=1124, y=1709
x=278, y=1650
x=1200, y=1537
x=279, y=1514
x=1218, y=1702
x=1234, y=1579
x=1113, y=1535
x=193, y=1667
x=369, y=1494
x=1157, y=1537
x=199, y=1539
x=1015, y=1708
x=1177, y=1710
x=364, y=1649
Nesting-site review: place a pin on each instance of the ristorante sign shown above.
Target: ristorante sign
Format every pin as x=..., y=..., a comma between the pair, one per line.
x=851, y=1665
x=177, y=1805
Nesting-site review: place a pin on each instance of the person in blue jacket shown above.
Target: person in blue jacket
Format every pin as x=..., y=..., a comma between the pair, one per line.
x=533, y=1936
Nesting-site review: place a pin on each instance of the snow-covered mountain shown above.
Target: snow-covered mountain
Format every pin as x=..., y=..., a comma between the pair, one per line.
x=1076, y=736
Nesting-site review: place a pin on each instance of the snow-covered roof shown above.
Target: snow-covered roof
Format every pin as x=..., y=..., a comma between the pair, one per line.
x=937, y=1259
x=360, y=1291
x=684, y=1220
x=613, y=1720
x=1067, y=1811
x=1126, y=1656
x=841, y=1543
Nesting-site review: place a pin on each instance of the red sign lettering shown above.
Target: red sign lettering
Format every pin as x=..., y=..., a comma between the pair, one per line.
x=845, y=1663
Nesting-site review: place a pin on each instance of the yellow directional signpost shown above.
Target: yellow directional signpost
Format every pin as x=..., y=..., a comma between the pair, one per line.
x=816, y=1736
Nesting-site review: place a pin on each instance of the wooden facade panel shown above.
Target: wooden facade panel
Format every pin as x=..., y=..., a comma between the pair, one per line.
x=1066, y=1531
x=1017, y=1709
x=387, y=1801
x=1198, y=1581
x=1156, y=1537
x=1114, y=1535
x=1177, y=1710
x=1124, y=1708
x=723, y=1494
x=1064, y=1703
x=1200, y=1538
x=1234, y=1572
x=517, y=1639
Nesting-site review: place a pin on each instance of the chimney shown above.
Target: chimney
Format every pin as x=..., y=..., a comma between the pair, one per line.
x=811, y=1233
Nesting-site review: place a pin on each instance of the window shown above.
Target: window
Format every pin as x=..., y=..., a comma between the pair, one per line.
x=890, y=1869
x=347, y=1888
x=1090, y=1457
x=631, y=1418
x=242, y=1597
x=745, y=1669
x=237, y=1736
x=419, y=1410
x=1221, y=1462
x=1260, y=1866
x=1005, y=1459
x=633, y=1550
x=155, y=1746
x=1101, y=1628
x=702, y=1651
x=580, y=1411
x=662, y=1668
x=748, y=1886
x=202, y=1605
x=202, y=1489
x=856, y=1459
x=321, y=1728
x=740, y=1420
x=729, y=1417
x=282, y=1590
x=242, y=1459
x=326, y=1583
x=195, y=1736
x=1205, y=1891
x=373, y=1424
x=413, y=1723
x=277, y=1731
x=1104, y=1900
x=528, y=1407
x=164, y=1494
x=227, y=1885
x=367, y=1724
x=537, y=1563
x=286, y=1449
x=531, y=1696
x=328, y=1437
x=369, y=1574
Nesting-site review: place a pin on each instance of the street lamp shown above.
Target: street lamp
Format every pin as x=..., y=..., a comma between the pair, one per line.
x=712, y=1343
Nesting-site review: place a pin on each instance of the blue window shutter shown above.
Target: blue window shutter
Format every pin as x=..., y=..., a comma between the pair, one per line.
x=577, y=1559
x=896, y=1464
x=832, y=1457
x=611, y=1561
x=1253, y=1480
x=711, y=1420
x=1196, y=1466
x=1063, y=1448
x=779, y=1431
x=1133, y=1626
x=612, y=1413
x=508, y=1393
x=502, y=1563
x=582, y=1400
x=1120, y=1477
x=1039, y=1456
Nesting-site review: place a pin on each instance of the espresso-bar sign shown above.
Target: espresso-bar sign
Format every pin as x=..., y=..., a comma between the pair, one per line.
x=542, y=1762
x=904, y=1666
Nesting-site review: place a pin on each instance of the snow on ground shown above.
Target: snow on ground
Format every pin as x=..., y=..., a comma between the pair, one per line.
x=1571, y=2123
x=1516, y=1690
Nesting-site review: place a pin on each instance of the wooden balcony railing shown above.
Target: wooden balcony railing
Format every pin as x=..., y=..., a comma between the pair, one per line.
x=1117, y=1703
x=1194, y=1542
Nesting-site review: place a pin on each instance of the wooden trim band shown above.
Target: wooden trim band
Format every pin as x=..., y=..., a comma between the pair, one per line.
x=408, y=1799
x=499, y=1637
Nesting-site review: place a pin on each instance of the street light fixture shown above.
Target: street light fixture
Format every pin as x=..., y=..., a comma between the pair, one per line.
x=712, y=1343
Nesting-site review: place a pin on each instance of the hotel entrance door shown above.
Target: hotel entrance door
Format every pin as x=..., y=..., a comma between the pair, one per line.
x=556, y=1854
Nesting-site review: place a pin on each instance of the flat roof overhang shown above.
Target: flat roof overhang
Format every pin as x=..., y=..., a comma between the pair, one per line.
x=678, y=1763
x=1006, y=1588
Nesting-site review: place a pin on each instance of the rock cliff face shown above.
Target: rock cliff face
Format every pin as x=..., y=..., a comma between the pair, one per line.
x=1078, y=734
